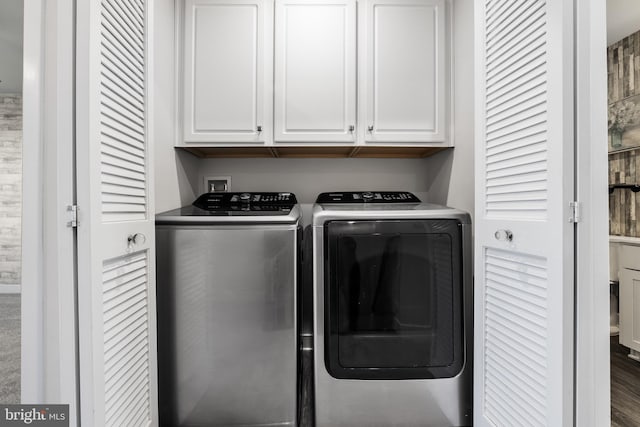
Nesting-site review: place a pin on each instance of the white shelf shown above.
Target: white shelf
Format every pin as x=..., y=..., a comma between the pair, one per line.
x=625, y=239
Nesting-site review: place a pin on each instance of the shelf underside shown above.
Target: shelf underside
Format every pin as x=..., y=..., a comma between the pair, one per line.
x=316, y=151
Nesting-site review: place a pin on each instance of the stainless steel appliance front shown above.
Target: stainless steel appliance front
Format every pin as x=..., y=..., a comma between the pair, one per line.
x=227, y=323
x=367, y=401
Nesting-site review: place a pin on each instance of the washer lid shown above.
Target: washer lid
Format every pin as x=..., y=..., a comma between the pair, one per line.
x=246, y=202
x=323, y=212
x=231, y=208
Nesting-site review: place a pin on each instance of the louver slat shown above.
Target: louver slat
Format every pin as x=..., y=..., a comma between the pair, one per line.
x=123, y=114
x=120, y=81
x=514, y=23
x=111, y=31
x=518, y=84
x=133, y=105
x=112, y=148
x=130, y=14
x=130, y=145
x=118, y=162
x=114, y=47
x=122, y=66
x=517, y=61
x=515, y=338
x=508, y=44
x=122, y=111
x=123, y=25
x=516, y=111
x=126, y=341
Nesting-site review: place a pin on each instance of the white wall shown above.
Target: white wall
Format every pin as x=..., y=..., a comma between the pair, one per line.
x=175, y=171
x=450, y=173
x=306, y=178
x=623, y=19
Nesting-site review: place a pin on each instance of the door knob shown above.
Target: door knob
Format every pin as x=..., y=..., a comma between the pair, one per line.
x=259, y=128
x=135, y=239
x=503, y=235
x=370, y=128
x=352, y=128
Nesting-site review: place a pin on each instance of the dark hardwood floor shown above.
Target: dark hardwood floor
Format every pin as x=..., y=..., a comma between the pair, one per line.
x=625, y=387
x=305, y=403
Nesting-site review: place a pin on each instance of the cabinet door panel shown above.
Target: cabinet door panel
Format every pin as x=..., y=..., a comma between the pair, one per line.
x=630, y=308
x=315, y=71
x=403, y=78
x=225, y=74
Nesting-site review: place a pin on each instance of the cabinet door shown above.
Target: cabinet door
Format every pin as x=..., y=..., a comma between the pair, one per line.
x=630, y=308
x=403, y=81
x=315, y=71
x=228, y=54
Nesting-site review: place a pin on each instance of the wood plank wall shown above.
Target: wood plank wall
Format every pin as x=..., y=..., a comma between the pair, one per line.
x=10, y=188
x=623, y=69
x=624, y=168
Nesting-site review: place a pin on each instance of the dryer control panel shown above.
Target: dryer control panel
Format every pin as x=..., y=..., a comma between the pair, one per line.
x=368, y=197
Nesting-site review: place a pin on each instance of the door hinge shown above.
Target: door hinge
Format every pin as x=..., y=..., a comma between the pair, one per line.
x=73, y=216
x=575, y=212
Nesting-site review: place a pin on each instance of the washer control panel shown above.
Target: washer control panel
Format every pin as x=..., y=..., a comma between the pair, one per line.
x=284, y=198
x=246, y=201
x=367, y=197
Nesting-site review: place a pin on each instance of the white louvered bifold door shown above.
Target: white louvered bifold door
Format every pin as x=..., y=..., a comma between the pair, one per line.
x=524, y=255
x=116, y=256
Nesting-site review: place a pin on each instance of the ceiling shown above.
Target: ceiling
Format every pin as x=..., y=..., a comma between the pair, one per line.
x=623, y=19
x=11, y=46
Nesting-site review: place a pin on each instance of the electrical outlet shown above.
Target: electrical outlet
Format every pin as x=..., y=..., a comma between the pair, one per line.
x=217, y=184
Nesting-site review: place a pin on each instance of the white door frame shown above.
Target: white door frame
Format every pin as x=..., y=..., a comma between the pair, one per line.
x=49, y=361
x=592, y=246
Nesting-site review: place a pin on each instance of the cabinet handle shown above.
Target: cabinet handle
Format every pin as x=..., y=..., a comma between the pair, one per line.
x=370, y=128
x=352, y=128
x=259, y=128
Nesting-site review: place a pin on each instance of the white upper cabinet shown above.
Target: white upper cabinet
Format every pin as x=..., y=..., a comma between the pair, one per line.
x=273, y=74
x=403, y=71
x=228, y=53
x=315, y=71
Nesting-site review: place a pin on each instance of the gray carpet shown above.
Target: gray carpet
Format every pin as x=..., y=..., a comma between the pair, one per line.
x=9, y=348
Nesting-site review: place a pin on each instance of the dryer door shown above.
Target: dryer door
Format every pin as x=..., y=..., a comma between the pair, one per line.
x=393, y=299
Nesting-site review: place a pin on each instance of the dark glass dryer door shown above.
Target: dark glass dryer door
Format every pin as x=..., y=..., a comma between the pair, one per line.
x=393, y=299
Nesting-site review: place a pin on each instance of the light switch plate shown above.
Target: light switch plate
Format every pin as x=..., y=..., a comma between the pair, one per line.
x=217, y=184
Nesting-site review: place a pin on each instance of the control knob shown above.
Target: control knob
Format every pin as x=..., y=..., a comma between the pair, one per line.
x=245, y=197
x=367, y=195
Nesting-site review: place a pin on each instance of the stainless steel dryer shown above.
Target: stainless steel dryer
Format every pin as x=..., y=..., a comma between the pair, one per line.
x=227, y=270
x=392, y=311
